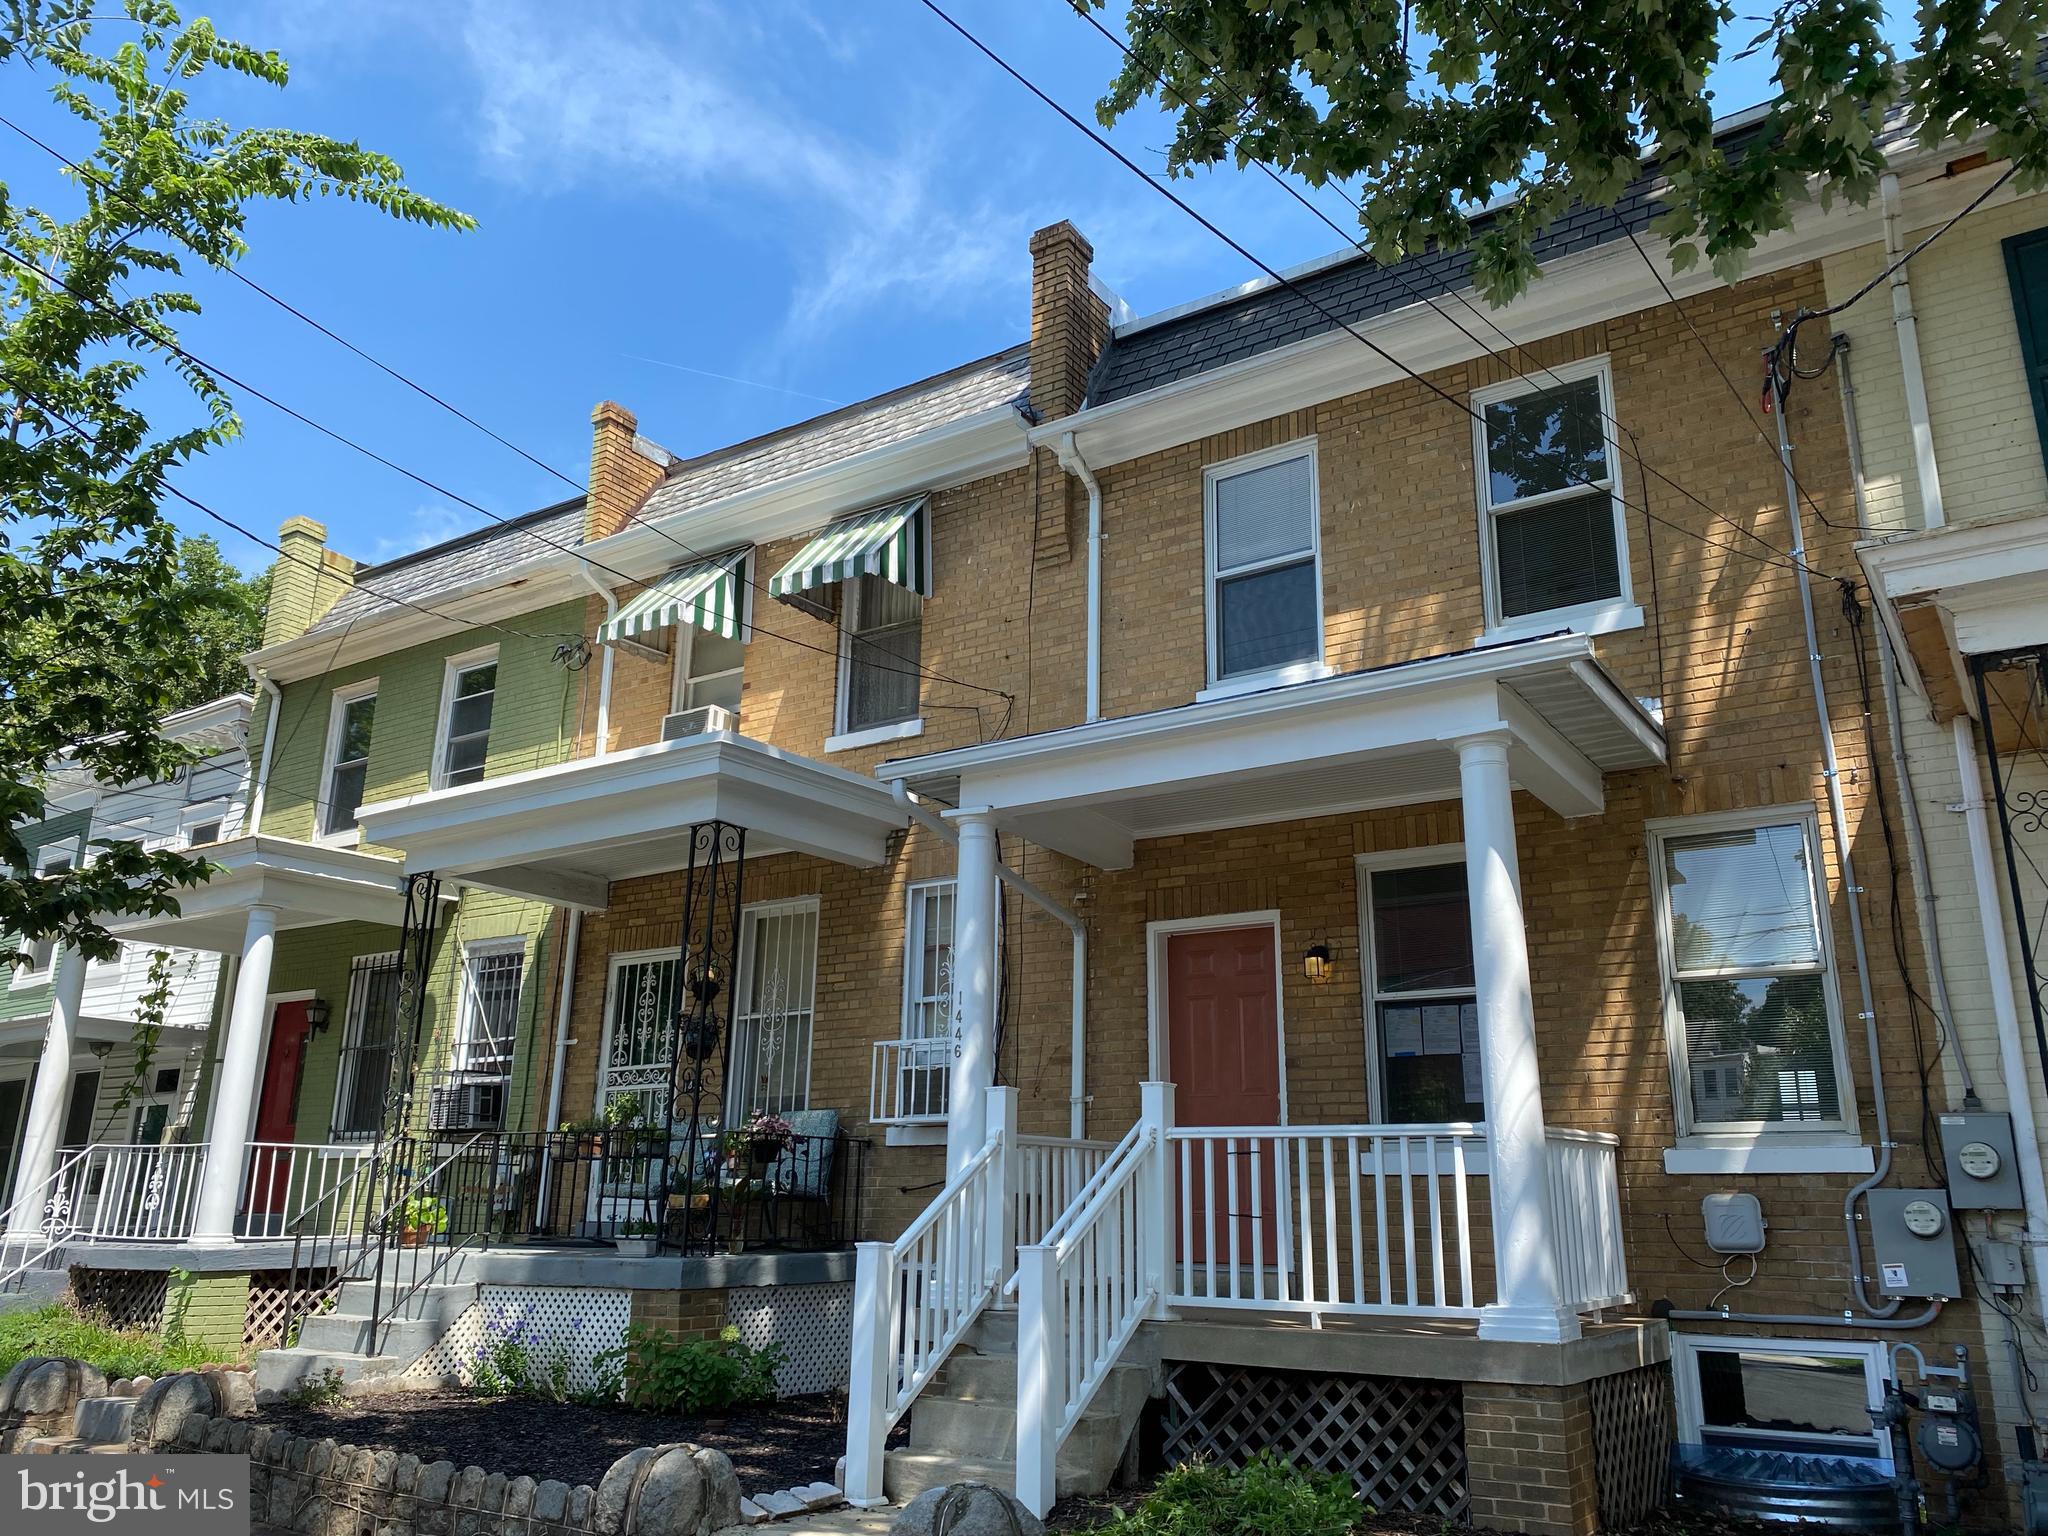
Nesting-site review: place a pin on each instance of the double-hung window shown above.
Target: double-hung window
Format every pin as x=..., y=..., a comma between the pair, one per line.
x=1553, y=543
x=882, y=647
x=467, y=699
x=348, y=758
x=368, y=1037
x=1421, y=1007
x=1265, y=603
x=1754, y=1024
x=710, y=669
x=42, y=953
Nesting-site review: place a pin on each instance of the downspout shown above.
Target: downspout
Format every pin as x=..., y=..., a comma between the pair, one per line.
x=567, y=990
x=604, y=676
x=1077, y=1092
x=1907, y=329
x=276, y=696
x=1072, y=462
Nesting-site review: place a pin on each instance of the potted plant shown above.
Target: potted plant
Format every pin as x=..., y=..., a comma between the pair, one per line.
x=422, y=1218
x=589, y=1135
x=621, y=1123
x=636, y=1239
x=764, y=1137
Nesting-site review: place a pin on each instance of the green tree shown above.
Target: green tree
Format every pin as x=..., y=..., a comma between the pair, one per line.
x=106, y=621
x=1553, y=101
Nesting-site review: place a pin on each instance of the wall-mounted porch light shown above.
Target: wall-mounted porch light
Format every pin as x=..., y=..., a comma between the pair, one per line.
x=1315, y=963
x=317, y=1014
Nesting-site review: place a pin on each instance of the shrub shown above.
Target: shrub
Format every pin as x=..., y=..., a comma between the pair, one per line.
x=62, y=1330
x=696, y=1375
x=1266, y=1497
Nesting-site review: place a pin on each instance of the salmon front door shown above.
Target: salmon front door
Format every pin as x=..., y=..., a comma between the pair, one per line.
x=1223, y=1056
x=277, y=1110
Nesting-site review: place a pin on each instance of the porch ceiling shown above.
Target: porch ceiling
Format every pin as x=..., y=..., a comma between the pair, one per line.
x=563, y=834
x=307, y=883
x=1385, y=737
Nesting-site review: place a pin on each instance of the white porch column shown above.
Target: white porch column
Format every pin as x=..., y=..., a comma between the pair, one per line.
x=1529, y=1303
x=233, y=1104
x=976, y=910
x=41, y=1143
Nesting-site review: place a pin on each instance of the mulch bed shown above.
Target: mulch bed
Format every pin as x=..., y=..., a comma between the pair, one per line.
x=786, y=1444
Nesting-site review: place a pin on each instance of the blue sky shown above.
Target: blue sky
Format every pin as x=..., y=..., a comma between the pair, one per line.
x=822, y=200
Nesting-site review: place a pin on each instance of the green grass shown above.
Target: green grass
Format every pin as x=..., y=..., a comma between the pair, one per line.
x=58, y=1330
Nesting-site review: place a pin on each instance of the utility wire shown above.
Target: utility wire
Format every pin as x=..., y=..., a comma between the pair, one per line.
x=1394, y=269
x=1463, y=407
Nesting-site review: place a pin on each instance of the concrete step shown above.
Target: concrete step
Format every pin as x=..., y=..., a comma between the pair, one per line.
x=906, y=1474
x=404, y=1339
x=443, y=1300
x=104, y=1420
x=280, y=1370
x=973, y=1377
x=71, y=1445
x=993, y=1333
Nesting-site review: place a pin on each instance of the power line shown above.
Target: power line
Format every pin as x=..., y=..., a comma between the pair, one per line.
x=1784, y=562
x=1394, y=269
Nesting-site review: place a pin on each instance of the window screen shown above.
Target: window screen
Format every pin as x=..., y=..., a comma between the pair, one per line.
x=1425, y=1013
x=1748, y=962
x=1263, y=568
x=1549, y=494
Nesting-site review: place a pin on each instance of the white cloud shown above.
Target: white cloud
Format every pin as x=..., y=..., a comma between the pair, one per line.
x=428, y=523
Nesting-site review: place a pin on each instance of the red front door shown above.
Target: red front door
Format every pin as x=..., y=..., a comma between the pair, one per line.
x=277, y=1109
x=1223, y=1054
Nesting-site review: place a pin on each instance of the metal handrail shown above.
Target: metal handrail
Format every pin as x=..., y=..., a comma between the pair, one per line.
x=351, y=1244
x=379, y=1313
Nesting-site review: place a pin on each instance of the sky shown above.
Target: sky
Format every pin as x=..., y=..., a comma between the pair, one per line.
x=726, y=217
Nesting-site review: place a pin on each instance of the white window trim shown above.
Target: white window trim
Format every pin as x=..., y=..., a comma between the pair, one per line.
x=1596, y=618
x=451, y=670
x=841, y=738
x=337, y=703
x=198, y=815
x=913, y=942
x=73, y=847
x=1294, y=671
x=686, y=638
x=474, y=950
x=1750, y=1146
x=351, y=1032
x=1685, y=1379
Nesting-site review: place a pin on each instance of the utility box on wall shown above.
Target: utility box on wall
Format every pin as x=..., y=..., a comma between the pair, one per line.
x=1983, y=1164
x=1912, y=1235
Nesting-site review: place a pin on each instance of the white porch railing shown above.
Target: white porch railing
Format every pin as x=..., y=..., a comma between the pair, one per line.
x=1585, y=1218
x=908, y=1084
x=288, y=1188
x=1051, y=1173
x=127, y=1194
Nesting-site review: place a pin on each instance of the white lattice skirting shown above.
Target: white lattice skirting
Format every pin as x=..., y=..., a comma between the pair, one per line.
x=812, y=1323
x=585, y=1323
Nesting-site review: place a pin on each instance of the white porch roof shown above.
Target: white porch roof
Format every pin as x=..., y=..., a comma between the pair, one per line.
x=563, y=834
x=308, y=883
x=1384, y=737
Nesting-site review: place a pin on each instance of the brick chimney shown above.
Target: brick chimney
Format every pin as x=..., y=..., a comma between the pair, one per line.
x=305, y=580
x=624, y=470
x=1069, y=324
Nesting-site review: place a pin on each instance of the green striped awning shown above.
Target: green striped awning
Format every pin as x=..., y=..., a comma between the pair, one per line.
x=706, y=593
x=893, y=542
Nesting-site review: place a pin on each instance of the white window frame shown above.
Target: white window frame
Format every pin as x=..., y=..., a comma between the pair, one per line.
x=198, y=816
x=1367, y=865
x=843, y=739
x=347, y=1067
x=919, y=893
x=337, y=706
x=451, y=673
x=462, y=1046
x=1603, y=615
x=1293, y=671
x=1802, y=1150
x=73, y=848
x=1685, y=1380
x=686, y=645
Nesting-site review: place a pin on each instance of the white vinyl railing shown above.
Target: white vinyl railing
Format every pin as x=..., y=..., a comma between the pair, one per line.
x=1051, y=1173
x=290, y=1188
x=914, y=1299
x=908, y=1085
x=1585, y=1219
x=1358, y=1219
x=128, y=1194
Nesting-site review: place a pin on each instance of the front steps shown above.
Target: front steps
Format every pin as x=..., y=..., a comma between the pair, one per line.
x=99, y=1427
x=339, y=1341
x=964, y=1425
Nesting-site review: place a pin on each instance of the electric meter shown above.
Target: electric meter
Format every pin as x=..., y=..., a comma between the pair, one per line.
x=1922, y=1218
x=1979, y=1159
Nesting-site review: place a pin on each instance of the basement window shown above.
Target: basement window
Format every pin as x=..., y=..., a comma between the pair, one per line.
x=1797, y=1396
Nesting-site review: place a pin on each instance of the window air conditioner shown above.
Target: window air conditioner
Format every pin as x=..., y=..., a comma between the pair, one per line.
x=696, y=722
x=466, y=1107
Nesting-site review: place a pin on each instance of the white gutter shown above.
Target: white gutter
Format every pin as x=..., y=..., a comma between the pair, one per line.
x=270, y=721
x=1077, y=1090
x=1907, y=329
x=604, y=677
x=2012, y=1059
x=1072, y=462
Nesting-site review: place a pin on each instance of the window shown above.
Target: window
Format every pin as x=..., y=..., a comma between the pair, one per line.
x=1801, y=1397
x=368, y=1038
x=708, y=670
x=1550, y=520
x=773, y=1009
x=348, y=759
x=491, y=974
x=1748, y=984
x=202, y=834
x=1422, y=1011
x=2026, y=269
x=924, y=1061
x=1265, y=587
x=467, y=697
x=884, y=641
x=42, y=953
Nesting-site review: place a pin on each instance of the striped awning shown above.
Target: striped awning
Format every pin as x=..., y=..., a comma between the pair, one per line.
x=706, y=593
x=893, y=542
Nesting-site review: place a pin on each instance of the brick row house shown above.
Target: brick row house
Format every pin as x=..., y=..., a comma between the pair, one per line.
x=1182, y=883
